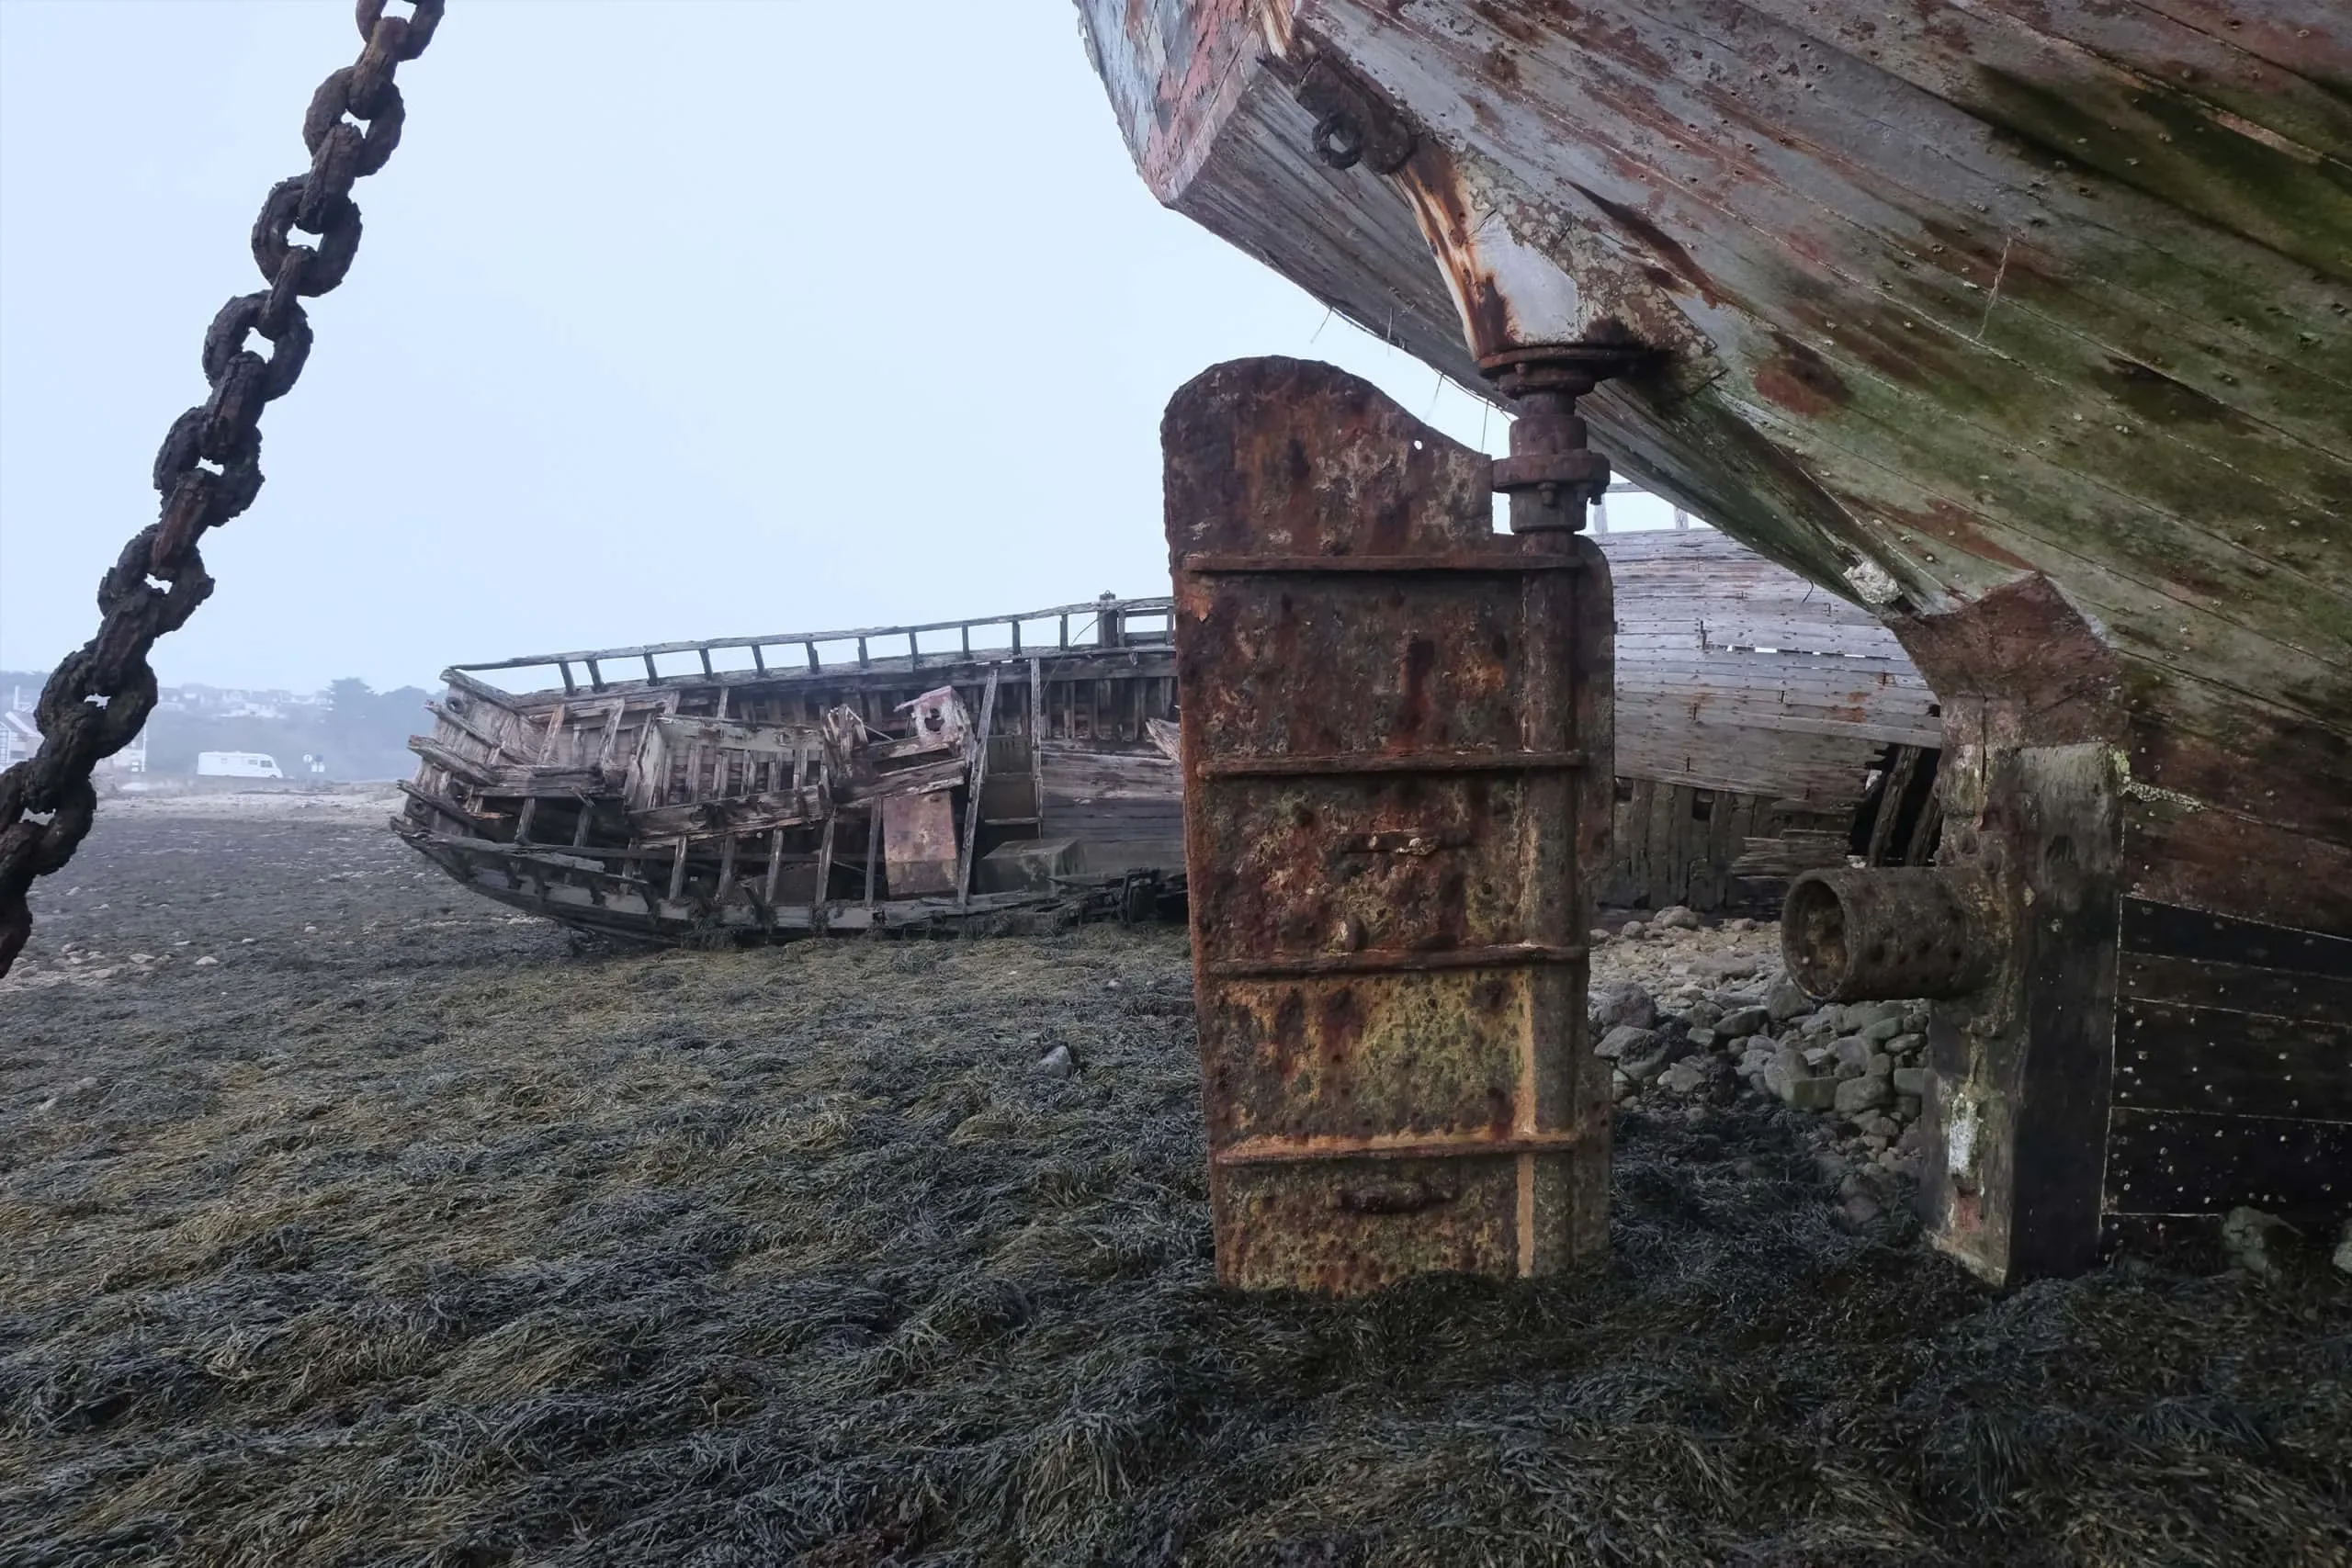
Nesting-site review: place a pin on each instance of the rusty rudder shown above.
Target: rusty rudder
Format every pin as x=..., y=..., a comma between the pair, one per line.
x=1396, y=751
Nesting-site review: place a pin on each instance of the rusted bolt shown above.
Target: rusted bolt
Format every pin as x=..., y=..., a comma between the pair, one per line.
x=1884, y=934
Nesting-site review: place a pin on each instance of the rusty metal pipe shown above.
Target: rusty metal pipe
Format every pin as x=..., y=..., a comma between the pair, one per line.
x=1887, y=934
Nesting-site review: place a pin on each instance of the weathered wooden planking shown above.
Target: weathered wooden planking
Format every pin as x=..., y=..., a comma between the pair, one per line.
x=1140, y=784
x=2018, y=292
x=2227, y=865
x=2170, y=930
x=595, y=899
x=1785, y=766
x=2244, y=988
x=735, y=779
x=1768, y=686
x=2234, y=1060
x=1738, y=730
x=731, y=816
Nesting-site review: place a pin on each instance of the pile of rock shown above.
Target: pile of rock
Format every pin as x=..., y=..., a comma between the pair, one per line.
x=1862, y=1066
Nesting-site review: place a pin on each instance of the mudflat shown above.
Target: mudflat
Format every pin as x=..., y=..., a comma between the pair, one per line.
x=406, y=1230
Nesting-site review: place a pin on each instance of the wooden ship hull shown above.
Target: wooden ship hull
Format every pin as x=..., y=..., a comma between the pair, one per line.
x=2026, y=327
x=1764, y=727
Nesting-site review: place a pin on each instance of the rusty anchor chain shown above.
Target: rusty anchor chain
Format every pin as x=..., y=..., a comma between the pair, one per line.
x=209, y=469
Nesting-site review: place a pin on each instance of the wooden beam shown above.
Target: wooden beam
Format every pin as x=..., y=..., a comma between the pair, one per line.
x=1882, y=849
x=741, y=814
x=873, y=852
x=824, y=868
x=481, y=689
x=467, y=727
x=451, y=762
x=467, y=821
x=1037, y=739
x=553, y=732
x=1144, y=606
x=972, y=794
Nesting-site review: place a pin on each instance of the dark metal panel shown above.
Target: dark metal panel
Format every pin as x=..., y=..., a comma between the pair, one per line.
x=919, y=843
x=1396, y=743
x=2169, y=1057
x=2180, y=1162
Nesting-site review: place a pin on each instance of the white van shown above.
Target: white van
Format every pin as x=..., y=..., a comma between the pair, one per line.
x=237, y=765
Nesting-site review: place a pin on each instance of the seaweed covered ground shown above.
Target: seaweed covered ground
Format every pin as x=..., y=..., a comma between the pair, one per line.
x=402, y=1232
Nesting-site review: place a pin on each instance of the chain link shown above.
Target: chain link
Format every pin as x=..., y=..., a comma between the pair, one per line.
x=209, y=469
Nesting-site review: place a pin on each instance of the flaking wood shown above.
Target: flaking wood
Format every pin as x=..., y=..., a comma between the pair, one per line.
x=2025, y=324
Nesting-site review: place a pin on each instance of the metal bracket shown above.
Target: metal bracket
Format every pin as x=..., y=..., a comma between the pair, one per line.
x=1353, y=122
x=1551, y=473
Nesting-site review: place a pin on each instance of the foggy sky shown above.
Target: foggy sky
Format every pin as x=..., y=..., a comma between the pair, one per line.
x=670, y=320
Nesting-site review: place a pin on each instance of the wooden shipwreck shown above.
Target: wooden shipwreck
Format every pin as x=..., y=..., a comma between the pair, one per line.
x=764, y=787
x=1764, y=727
x=2027, y=328
x=769, y=787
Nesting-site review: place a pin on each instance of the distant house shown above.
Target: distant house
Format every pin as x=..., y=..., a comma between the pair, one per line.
x=21, y=737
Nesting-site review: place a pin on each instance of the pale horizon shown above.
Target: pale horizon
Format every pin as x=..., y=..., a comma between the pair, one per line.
x=713, y=341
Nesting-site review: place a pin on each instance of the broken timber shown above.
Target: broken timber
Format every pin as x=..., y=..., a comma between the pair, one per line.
x=1762, y=729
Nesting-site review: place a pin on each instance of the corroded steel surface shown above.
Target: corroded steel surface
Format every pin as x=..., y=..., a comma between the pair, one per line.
x=1885, y=932
x=1396, y=753
x=919, y=843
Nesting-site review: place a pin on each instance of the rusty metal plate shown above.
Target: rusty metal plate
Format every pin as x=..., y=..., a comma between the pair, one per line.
x=919, y=849
x=1396, y=742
